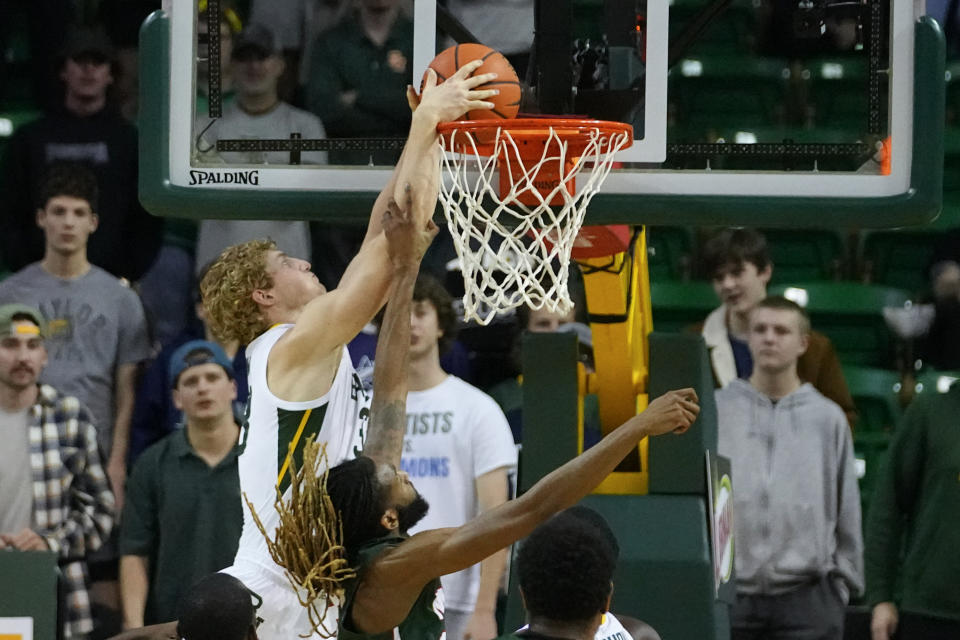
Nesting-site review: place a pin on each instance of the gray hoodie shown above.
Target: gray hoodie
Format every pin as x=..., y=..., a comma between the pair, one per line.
x=796, y=501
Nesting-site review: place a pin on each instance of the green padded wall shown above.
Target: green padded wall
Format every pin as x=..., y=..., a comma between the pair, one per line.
x=549, y=404
x=29, y=589
x=677, y=463
x=665, y=572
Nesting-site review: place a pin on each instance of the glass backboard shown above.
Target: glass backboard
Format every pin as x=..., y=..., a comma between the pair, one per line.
x=743, y=112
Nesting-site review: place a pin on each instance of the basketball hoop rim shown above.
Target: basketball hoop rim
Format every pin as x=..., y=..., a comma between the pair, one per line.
x=576, y=132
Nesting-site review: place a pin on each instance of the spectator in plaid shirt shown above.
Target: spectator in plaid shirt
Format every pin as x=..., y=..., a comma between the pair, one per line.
x=54, y=494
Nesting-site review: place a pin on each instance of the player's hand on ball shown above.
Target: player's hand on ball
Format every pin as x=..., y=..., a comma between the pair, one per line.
x=673, y=411
x=456, y=95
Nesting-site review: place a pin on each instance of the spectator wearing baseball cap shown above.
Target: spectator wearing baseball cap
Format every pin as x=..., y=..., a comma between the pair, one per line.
x=22, y=319
x=54, y=494
x=183, y=514
x=255, y=41
x=154, y=414
x=83, y=127
x=257, y=113
x=88, y=44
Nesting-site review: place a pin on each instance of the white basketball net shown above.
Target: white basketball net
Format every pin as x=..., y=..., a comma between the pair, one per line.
x=512, y=253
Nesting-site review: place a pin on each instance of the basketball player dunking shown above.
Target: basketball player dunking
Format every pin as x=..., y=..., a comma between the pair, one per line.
x=301, y=379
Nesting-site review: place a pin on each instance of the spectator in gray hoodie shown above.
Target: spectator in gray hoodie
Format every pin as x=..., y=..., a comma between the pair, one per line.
x=799, y=550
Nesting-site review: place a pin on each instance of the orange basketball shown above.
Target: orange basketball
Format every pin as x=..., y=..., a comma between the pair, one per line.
x=507, y=103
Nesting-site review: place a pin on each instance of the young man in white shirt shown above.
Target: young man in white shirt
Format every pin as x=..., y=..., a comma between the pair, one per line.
x=459, y=451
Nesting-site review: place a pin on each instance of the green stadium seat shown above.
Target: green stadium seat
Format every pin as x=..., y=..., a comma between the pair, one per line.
x=951, y=143
x=876, y=394
x=851, y=315
x=678, y=305
x=949, y=217
x=719, y=93
x=897, y=258
x=669, y=253
x=805, y=255
x=837, y=95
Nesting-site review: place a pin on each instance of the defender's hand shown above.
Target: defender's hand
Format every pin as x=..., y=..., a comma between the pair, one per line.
x=406, y=243
x=457, y=94
x=673, y=411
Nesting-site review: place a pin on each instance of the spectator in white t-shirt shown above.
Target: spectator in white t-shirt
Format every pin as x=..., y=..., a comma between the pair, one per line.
x=459, y=452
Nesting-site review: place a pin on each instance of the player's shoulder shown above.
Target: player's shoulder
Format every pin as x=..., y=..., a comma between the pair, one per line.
x=264, y=343
x=638, y=629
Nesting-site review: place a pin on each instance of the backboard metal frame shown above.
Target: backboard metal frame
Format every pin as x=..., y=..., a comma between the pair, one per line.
x=911, y=194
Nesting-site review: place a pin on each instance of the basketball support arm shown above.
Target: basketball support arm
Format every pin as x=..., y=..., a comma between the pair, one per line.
x=618, y=300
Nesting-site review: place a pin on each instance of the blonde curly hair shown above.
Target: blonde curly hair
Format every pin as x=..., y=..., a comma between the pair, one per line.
x=227, y=289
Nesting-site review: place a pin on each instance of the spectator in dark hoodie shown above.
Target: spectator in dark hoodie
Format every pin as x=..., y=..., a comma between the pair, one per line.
x=84, y=129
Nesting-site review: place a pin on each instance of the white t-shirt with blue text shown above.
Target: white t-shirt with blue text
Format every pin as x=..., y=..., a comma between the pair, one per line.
x=455, y=434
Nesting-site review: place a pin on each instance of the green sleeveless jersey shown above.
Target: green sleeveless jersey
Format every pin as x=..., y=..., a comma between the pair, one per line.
x=425, y=620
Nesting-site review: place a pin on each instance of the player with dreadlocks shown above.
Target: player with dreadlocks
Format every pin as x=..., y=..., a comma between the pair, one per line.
x=308, y=536
x=302, y=382
x=388, y=584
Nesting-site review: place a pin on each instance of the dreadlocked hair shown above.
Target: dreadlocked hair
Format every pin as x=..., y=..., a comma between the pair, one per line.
x=308, y=540
x=356, y=496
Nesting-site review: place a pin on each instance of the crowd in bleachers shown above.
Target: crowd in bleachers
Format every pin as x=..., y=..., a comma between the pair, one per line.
x=118, y=310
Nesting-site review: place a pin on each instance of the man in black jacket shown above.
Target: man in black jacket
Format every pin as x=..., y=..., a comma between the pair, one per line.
x=86, y=130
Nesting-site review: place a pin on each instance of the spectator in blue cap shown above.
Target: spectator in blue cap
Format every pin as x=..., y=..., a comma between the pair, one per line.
x=183, y=514
x=154, y=414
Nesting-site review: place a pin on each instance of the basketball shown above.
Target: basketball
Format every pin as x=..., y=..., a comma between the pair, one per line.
x=507, y=104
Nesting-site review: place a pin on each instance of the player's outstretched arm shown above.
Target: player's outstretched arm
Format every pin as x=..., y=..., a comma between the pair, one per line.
x=406, y=243
x=398, y=575
x=334, y=319
x=329, y=321
x=419, y=164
